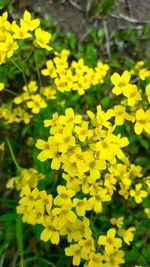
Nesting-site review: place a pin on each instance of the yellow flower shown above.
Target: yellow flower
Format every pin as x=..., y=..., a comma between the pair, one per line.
x=82, y=205
x=114, y=259
x=42, y=39
x=51, y=229
x=9, y=46
x=1, y=86
x=138, y=194
x=83, y=132
x=87, y=244
x=103, y=117
x=120, y=82
x=132, y=93
x=94, y=166
x=46, y=199
x=20, y=33
x=50, y=150
x=69, y=118
x=82, y=229
x=110, y=242
x=147, y=211
x=96, y=200
x=65, y=214
x=2, y=146
x=127, y=235
x=68, y=230
x=144, y=73
x=30, y=24
x=65, y=139
x=72, y=182
x=79, y=67
x=61, y=84
x=124, y=190
x=36, y=103
x=53, y=121
x=49, y=92
x=120, y=114
x=135, y=170
x=95, y=260
x=29, y=199
x=117, y=221
x=77, y=252
x=142, y=121
x=50, y=71
x=64, y=196
x=148, y=92
x=38, y=212
x=32, y=87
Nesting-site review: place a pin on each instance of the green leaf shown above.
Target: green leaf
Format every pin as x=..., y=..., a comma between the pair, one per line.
x=8, y=203
x=19, y=235
x=105, y=102
x=47, y=262
x=30, y=259
x=144, y=143
x=8, y=217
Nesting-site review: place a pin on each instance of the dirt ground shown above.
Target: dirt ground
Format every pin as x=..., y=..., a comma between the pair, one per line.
x=75, y=16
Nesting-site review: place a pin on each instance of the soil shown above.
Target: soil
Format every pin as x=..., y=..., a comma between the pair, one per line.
x=76, y=16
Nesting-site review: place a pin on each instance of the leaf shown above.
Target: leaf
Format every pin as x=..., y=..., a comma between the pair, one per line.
x=47, y=262
x=105, y=102
x=8, y=203
x=144, y=143
x=19, y=235
x=30, y=259
x=8, y=217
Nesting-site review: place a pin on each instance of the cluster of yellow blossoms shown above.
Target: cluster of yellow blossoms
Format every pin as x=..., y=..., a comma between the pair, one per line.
x=138, y=70
x=88, y=152
x=10, y=33
x=26, y=177
x=63, y=77
x=84, y=149
x=78, y=77
x=133, y=96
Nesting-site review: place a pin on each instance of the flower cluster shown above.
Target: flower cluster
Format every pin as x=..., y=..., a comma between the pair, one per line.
x=26, y=177
x=133, y=95
x=93, y=166
x=10, y=33
x=78, y=77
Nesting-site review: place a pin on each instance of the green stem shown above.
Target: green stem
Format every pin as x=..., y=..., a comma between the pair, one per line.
x=22, y=71
x=28, y=56
x=37, y=69
x=11, y=92
x=12, y=154
x=148, y=263
x=15, y=64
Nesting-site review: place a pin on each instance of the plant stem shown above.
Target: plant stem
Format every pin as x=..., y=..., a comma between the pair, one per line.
x=28, y=56
x=12, y=154
x=22, y=71
x=142, y=255
x=37, y=69
x=11, y=92
x=17, y=66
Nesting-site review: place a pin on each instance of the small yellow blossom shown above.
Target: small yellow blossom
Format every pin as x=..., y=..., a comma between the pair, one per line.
x=120, y=82
x=109, y=241
x=127, y=235
x=142, y=121
x=147, y=211
x=138, y=194
x=1, y=86
x=42, y=39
